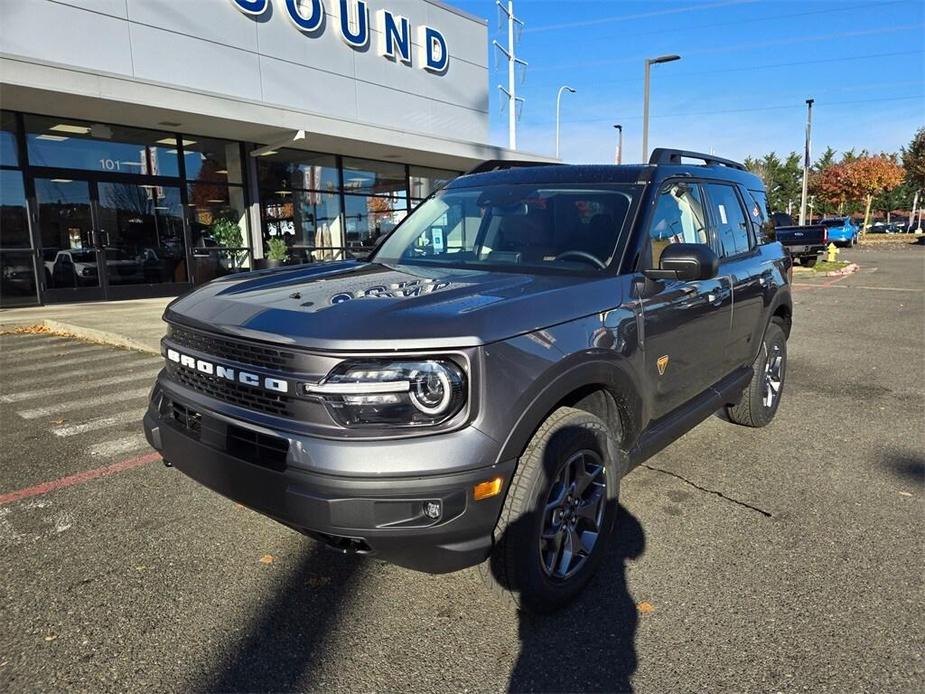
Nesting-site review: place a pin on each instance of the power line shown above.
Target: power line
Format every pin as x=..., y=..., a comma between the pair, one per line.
x=747, y=46
x=679, y=74
x=642, y=15
x=747, y=110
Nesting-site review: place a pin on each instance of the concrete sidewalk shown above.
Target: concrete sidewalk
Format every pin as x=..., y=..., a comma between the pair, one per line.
x=134, y=324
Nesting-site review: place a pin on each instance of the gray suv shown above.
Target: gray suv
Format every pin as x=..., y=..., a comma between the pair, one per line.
x=475, y=391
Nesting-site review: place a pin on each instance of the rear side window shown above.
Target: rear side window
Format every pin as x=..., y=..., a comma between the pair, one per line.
x=728, y=218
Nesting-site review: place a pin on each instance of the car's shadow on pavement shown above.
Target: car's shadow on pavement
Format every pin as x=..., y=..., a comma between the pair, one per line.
x=279, y=649
x=590, y=645
x=907, y=466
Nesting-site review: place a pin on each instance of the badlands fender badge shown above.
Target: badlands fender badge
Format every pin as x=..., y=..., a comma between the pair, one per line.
x=662, y=364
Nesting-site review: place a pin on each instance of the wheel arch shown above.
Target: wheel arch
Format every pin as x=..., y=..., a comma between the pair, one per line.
x=603, y=386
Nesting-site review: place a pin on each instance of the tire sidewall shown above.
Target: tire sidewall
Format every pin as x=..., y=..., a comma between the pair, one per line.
x=539, y=591
x=774, y=335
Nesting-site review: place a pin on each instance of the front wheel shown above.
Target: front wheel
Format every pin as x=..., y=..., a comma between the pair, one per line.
x=559, y=513
x=761, y=398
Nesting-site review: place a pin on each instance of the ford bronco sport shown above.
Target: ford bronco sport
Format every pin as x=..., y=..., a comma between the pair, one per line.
x=476, y=390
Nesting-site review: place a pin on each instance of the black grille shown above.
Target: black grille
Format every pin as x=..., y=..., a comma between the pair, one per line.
x=232, y=350
x=186, y=417
x=234, y=393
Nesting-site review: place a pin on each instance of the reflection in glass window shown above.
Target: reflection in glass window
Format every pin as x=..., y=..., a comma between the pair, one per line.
x=679, y=218
x=731, y=227
x=17, y=278
x=289, y=169
x=367, y=217
x=308, y=221
x=218, y=230
x=213, y=161
x=8, y=153
x=90, y=146
x=14, y=224
x=63, y=213
x=425, y=181
x=376, y=177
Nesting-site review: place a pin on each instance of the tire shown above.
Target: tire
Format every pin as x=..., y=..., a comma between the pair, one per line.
x=754, y=409
x=533, y=573
x=808, y=260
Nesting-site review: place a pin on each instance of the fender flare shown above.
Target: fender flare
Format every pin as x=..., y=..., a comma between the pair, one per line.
x=609, y=371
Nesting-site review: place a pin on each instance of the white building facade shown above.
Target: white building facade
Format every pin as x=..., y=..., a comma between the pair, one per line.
x=150, y=145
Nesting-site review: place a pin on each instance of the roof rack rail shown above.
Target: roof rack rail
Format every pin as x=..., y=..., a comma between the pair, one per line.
x=674, y=156
x=501, y=164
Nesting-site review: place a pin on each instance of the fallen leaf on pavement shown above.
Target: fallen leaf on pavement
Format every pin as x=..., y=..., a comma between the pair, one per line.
x=51, y=637
x=645, y=607
x=905, y=494
x=266, y=559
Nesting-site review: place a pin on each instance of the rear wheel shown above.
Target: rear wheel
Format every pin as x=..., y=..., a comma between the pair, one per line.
x=761, y=398
x=808, y=260
x=560, y=509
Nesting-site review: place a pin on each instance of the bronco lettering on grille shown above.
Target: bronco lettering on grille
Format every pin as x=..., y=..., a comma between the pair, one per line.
x=227, y=373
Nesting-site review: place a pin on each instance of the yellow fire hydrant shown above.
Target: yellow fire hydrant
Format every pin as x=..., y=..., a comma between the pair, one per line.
x=832, y=254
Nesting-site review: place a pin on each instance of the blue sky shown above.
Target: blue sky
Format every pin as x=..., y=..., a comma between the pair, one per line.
x=747, y=68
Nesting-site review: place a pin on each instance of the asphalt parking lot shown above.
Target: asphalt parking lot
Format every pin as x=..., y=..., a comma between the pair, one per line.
x=784, y=559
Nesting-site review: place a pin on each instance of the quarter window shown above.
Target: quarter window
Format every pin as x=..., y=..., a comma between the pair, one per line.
x=731, y=225
x=679, y=218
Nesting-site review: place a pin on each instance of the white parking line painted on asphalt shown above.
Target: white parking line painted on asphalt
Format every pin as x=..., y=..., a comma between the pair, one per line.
x=118, y=446
x=142, y=366
x=98, y=423
x=55, y=343
x=73, y=388
x=50, y=410
x=109, y=354
x=65, y=351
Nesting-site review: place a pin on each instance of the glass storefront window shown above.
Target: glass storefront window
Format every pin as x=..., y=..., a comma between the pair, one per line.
x=218, y=230
x=367, y=217
x=9, y=156
x=425, y=181
x=72, y=144
x=288, y=169
x=374, y=177
x=213, y=161
x=306, y=221
x=17, y=278
x=14, y=222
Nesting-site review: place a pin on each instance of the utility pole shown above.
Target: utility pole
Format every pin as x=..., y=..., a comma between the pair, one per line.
x=806, y=159
x=812, y=208
x=790, y=208
x=512, y=62
x=619, y=158
x=645, y=100
x=558, y=105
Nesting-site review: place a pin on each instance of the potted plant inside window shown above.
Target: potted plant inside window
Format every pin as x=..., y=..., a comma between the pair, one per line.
x=276, y=255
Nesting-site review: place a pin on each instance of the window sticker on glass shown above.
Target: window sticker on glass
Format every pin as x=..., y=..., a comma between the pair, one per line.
x=438, y=240
x=722, y=214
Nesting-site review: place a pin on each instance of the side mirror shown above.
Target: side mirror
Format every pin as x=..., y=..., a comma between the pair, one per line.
x=687, y=262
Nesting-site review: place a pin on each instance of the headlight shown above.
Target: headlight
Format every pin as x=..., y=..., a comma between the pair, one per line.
x=394, y=393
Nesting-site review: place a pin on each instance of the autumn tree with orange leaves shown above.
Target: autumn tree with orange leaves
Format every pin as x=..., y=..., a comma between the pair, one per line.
x=859, y=180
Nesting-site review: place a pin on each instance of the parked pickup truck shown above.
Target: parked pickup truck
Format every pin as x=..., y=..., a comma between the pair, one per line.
x=475, y=391
x=842, y=231
x=804, y=243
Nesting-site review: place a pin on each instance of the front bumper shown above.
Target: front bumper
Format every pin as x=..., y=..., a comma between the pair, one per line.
x=381, y=515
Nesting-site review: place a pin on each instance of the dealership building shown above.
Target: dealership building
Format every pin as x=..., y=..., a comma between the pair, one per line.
x=151, y=145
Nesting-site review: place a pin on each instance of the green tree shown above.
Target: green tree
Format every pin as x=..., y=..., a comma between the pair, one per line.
x=783, y=178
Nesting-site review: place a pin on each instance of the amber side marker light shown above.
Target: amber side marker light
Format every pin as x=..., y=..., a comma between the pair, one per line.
x=486, y=490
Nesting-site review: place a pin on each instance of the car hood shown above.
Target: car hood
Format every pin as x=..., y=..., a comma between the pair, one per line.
x=368, y=306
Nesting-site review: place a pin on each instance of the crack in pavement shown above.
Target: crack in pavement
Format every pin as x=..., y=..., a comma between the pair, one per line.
x=708, y=491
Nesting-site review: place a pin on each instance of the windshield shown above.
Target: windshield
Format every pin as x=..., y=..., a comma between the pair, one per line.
x=524, y=227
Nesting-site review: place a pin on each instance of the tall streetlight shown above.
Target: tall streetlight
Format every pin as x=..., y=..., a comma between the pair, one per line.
x=807, y=154
x=619, y=158
x=558, y=103
x=645, y=101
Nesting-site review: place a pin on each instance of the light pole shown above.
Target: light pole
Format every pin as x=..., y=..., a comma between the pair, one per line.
x=558, y=103
x=645, y=101
x=806, y=159
x=619, y=157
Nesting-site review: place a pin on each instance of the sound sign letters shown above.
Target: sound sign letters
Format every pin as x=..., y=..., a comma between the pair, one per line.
x=395, y=31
